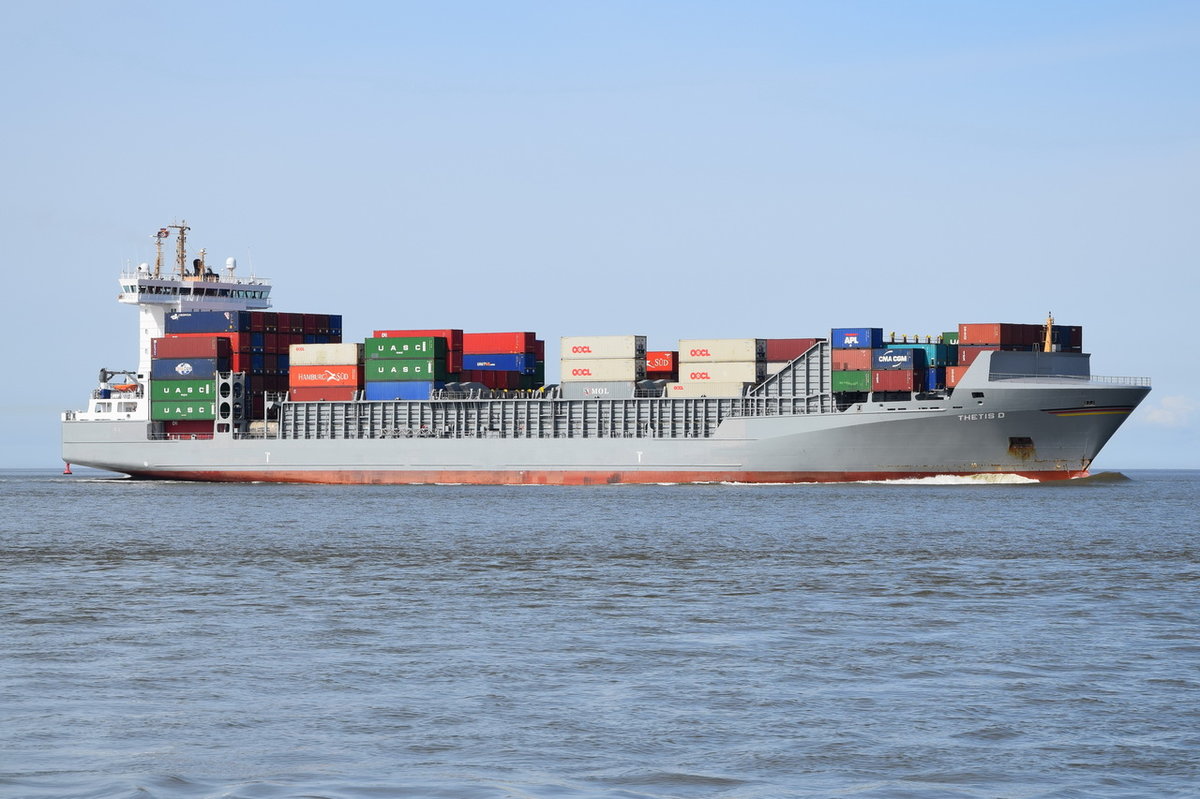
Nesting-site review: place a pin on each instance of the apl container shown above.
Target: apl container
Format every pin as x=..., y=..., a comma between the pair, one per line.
x=721, y=350
x=390, y=348
x=857, y=380
x=847, y=338
x=589, y=347
x=723, y=372
x=405, y=370
x=522, y=363
x=187, y=368
x=181, y=390
x=402, y=390
x=605, y=370
x=324, y=354
x=190, y=347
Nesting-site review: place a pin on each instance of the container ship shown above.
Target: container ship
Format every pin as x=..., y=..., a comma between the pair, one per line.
x=227, y=390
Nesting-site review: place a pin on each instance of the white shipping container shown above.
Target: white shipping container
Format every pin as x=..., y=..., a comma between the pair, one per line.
x=325, y=354
x=744, y=372
x=718, y=350
x=576, y=348
x=705, y=389
x=775, y=367
x=603, y=369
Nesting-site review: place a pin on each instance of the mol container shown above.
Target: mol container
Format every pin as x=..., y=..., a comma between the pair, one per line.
x=588, y=347
x=723, y=372
x=324, y=354
x=721, y=350
x=404, y=347
x=605, y=370
x=856, y=338
x=706, y=389
x=182, y=390
x=405, y=370
x=616, y=389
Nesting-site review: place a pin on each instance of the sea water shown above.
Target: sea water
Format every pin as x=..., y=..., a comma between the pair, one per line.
x=930, y=639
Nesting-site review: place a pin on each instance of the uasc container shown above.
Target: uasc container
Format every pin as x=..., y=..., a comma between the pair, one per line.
x=180, y=390
x=404, y=347
x=193, y=409
x=405, y=370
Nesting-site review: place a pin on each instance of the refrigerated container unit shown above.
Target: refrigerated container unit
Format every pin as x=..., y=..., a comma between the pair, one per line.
x=594, y=347
x=604, y=370
x=734, y=389
x=722, y=372
x=722, y=350
x=339, y=354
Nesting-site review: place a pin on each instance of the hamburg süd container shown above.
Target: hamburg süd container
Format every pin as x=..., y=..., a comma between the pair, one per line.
x=180, y=390
x=661, y=360
x=521, y=362
x=194, y=409
x=405, y=370
x=788, y=349
x=723, y=372
x=404, y=347
x=720, y=350
x=588, y=347
x=187, y=368
x=856, y=380
x=325, y=354
x=605, y=370
x=847, y=338
x=344, y=375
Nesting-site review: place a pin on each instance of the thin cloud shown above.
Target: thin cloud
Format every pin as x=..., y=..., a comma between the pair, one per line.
x=1174, y=411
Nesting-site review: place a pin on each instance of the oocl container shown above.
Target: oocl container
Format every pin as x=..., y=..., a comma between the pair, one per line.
x=705, y=389
x=588, y=347
x=324, y=354
x=723, y=372
x=719, y=350
x=605, y=370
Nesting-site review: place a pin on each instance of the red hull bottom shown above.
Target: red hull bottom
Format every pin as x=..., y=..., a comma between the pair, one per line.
x=565, y=478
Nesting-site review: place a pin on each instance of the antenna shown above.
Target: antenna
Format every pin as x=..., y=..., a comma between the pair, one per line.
x=1048, y=340
x=180, y=246
x=162, y=235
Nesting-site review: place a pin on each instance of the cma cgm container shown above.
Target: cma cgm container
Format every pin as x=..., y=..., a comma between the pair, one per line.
x=606, y=370
x=325, y=354
x=182, y=390
x=899, y=358
x=404, y=370
x=723, y=372
x=404, y=347
x=190, y=347
x=857, y=338
x=720, y=350
x=586, y=347
x=499, y=342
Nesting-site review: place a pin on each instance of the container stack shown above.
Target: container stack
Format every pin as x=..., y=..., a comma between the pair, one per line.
x=852, y=357
x=938, y=356
x=504, y=361
x=719, y=367
x=602, y=366
x=325, y=372
x=973, y=339
x=405, y=367
x=259, y=342
x=782, y=351
x=183, y=374
x=898, y=370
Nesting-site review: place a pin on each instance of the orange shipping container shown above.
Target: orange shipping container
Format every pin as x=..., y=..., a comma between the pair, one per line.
x=661, y=361
x=349, y=376
x=954, y=374
x=851, y=360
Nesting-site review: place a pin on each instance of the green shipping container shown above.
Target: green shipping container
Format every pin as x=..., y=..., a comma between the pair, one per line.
x=379, y=349
x=203, y=410
x=950, y=337
x=406, y=369
x=182, y=389
x=856, y=380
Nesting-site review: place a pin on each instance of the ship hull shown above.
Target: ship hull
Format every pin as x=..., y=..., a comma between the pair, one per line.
x=1043, y=433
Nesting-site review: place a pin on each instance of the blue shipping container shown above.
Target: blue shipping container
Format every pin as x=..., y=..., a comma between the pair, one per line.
x=190, y=368
x=401, y=390
x=935, y=378
x=208, y=322
x=523, y=362
x=856, y=338
x=898, y=358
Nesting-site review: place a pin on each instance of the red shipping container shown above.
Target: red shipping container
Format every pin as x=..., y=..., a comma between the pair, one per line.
x=454, y=338
x=662, y=360
x=851, y=360
x=539, y=349
x=788, y=349
x=345, y=375
x=322, y=393
x=187, y=428
x=498, y=343
x=999, y=334
x=892, y=380
x=194, y=346
x=968, y=354
x=954, y=374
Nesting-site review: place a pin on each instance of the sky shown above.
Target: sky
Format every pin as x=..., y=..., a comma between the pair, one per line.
x=668, y=169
